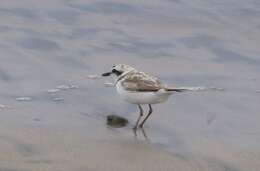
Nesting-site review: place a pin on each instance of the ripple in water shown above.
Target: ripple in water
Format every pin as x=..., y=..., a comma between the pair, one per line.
x=23, y=99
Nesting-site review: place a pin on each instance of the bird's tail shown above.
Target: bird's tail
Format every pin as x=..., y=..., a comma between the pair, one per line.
x=176, y=89
x=182, y=89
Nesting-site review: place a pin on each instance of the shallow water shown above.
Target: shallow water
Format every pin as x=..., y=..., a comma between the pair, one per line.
x=50, y=49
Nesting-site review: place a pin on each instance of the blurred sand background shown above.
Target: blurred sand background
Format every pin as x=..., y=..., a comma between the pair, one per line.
x=45, y=44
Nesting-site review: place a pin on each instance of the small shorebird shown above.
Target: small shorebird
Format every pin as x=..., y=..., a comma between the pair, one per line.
x=140, y=88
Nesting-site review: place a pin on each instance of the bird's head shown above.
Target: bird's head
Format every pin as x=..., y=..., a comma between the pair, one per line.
x=119, y=69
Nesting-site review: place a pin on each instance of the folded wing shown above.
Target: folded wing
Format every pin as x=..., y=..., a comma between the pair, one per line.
x=139, y=81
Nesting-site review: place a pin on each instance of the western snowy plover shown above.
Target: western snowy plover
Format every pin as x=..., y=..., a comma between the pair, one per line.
x=140, y=88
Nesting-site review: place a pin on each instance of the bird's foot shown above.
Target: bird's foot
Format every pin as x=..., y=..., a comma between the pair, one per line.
x=135, y=128
x=141, y=126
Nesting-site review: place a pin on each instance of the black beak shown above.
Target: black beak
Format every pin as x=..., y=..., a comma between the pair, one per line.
x=106, y=74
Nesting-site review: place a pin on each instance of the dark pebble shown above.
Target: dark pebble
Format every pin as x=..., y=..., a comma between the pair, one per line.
x=116, y=121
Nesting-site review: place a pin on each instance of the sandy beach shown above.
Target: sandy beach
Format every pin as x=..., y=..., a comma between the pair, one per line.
x=53, y=110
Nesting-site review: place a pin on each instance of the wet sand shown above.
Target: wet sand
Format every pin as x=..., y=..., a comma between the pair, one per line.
x=52, y=116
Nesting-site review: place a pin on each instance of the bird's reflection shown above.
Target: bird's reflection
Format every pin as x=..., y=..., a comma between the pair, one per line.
x=141, y=133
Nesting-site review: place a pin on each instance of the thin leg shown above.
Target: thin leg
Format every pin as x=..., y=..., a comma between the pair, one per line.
x=141, y=114
x=149, y=113
x=145, y=135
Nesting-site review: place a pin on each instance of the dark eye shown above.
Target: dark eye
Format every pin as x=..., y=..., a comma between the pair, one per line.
x=116, y=72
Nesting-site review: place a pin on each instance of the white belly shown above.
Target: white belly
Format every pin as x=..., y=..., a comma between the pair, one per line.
x=143, y=97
